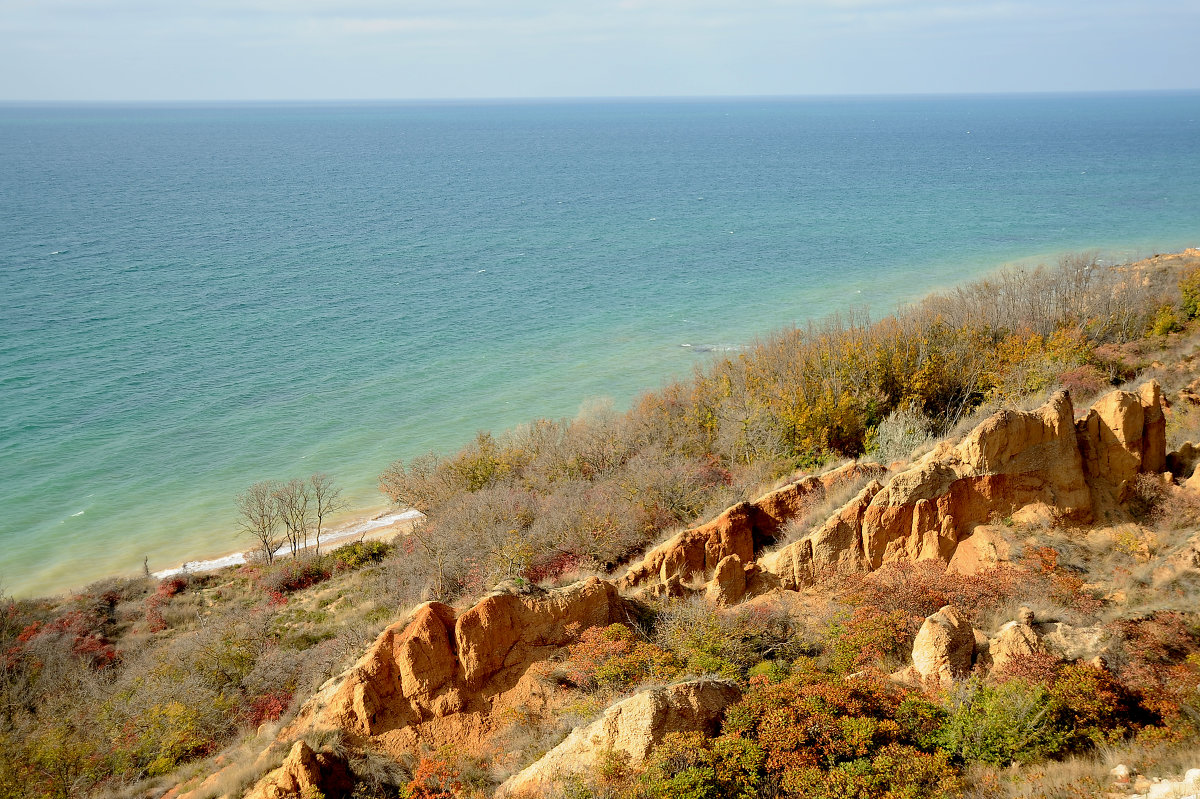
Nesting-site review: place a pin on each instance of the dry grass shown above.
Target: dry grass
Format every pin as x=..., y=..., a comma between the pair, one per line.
x=1081, y=777
x=816, y=514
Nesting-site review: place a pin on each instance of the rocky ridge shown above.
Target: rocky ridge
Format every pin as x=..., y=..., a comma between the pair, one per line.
x=441, y=678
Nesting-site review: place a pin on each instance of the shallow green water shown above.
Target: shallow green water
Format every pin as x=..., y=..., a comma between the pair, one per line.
x=195, y=298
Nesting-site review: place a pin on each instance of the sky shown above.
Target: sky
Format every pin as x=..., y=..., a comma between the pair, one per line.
x=214, y=50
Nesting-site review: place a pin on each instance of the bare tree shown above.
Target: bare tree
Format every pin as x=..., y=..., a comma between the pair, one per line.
x=292, y=500
x=259, y=515
x=326, y=499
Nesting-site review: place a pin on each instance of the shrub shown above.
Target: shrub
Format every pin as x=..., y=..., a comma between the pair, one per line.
x=613, y=659
x=433, y=779
x=1093, y=707
x=693, y=766
x=167, y=588
x=895, y=772
x=920, y=589
x=899, y=435
x=1189, y=288
x=296, y=574
x=267, y=707
x=359, y=554
x=1014, y=721
x=1165, y=321
x=1083, y=381
x=729, y=643
x=867, y=638
x=814, y=721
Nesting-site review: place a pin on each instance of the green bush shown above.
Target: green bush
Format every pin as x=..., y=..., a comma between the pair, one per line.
x=896, y=772
x=613, y=659
x=1189, y=287
x=1165, y=321
x=359, y=554
x=1013, y=722
x=691, y=766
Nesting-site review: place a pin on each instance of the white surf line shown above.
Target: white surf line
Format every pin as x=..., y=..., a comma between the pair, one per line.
x=340, y=535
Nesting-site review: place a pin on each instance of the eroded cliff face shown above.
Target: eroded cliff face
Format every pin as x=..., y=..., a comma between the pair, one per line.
x=1123, y=435
x=742, y=530
x=441, y=678
x=1035, y=464
x=437, y=678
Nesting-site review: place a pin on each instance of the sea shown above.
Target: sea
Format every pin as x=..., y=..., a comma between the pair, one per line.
x=197, y=297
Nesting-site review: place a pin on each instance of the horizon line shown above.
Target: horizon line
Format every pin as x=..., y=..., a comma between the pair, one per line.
x=551, y=99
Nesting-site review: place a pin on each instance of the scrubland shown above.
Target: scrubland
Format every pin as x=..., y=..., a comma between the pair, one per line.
x=130, y=687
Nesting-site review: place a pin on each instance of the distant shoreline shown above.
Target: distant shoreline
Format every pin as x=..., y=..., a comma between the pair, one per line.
x=372, y=523
x=375, y=527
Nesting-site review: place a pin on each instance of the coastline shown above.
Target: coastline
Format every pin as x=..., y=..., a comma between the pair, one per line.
x=376, y=521
x=370, y=529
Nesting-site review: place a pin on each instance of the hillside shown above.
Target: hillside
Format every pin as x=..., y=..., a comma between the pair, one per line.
x=955, y=551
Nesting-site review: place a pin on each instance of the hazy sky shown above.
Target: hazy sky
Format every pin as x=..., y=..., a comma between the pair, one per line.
x=360, y=49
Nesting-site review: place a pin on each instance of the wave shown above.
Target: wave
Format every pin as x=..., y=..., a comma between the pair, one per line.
x=713, y=347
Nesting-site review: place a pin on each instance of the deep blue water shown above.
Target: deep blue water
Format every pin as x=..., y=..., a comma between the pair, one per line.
x=195, y=298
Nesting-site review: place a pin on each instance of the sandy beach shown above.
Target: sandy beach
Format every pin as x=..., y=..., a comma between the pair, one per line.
x=371, y=528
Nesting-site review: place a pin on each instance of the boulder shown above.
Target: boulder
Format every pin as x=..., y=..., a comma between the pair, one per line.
x=1013, y=641
x=1182, y=462
x=944, y=648
x=1074, y=643
x=728, y=585
x=631, y=728
x=1190, y=394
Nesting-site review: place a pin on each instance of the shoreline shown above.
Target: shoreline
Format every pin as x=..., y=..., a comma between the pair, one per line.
x=369, y=529
x=373, y=523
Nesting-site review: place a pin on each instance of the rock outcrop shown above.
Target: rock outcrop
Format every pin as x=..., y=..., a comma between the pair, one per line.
x=1123, y=435
x=985, y=547
x=1067, y=642
x=304, y=773
x=741, y=530
x=437, y=678
x=836, y=546
x=1019, y=464
x=948, y=648
x=630, y=728
x=728, y=584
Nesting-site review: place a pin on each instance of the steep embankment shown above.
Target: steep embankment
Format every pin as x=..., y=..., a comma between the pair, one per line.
x=443, y=678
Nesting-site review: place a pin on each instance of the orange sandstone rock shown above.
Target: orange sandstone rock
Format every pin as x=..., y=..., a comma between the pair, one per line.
x=631, y=728
x=438, y=679
x=944, y=650
x=741, y=530
x=1028, y=465
x=1122, y=435
x=304, y=773
x=728, y=584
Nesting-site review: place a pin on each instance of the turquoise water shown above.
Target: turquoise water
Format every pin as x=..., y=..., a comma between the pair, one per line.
x=195, y=298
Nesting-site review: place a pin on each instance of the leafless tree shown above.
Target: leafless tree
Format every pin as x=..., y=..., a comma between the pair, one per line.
x=259, y=515
x=292, y=500
x=326, y=499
